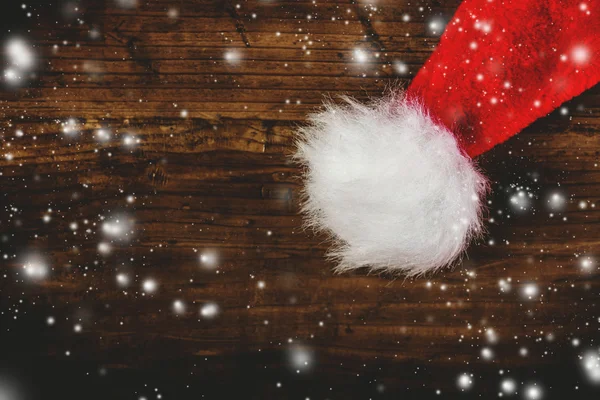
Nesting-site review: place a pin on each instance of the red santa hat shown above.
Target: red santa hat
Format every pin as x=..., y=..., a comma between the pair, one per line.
x=394, y=182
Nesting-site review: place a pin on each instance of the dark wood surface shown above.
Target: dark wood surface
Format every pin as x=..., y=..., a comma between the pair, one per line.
x=220, y=180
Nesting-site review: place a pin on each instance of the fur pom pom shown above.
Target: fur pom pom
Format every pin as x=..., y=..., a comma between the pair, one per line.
x=390, y=186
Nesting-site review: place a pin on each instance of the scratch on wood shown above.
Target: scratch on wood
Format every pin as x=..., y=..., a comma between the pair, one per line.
x=239, y=24
x=157, y=176
x=135, y=50
x=372, y=35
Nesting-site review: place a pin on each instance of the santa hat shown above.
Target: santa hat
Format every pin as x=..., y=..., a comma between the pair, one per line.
x=394, y=182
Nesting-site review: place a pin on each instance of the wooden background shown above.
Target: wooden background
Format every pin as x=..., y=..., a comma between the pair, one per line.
x=220, y=178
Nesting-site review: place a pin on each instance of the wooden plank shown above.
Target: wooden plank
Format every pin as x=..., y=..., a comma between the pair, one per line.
x=219, y=179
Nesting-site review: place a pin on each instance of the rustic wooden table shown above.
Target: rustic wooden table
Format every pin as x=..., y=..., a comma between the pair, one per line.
x=176, y=118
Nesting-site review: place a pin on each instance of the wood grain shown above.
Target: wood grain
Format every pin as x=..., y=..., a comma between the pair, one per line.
x=220, y=179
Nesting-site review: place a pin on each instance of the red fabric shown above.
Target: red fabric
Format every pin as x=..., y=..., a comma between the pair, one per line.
x=530, y=55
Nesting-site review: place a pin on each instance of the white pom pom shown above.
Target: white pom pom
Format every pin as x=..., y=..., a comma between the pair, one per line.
x=391, y=186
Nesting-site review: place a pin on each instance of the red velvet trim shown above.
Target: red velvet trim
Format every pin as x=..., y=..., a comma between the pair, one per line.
x=500, y=65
